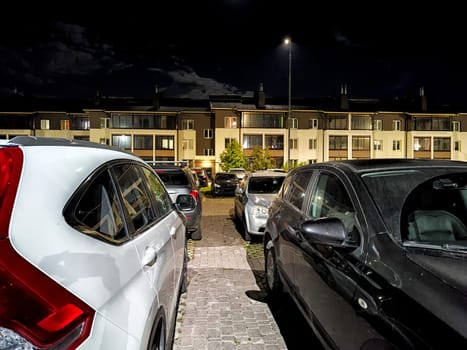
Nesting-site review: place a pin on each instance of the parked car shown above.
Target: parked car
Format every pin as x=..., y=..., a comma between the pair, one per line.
x=224, y=184
x=92, y=249
x=373, y=252
x=252, y=199
x=178, y=180
x=202, y=175
x=240, y=172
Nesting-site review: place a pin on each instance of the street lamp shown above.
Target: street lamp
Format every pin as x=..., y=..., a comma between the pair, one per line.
x=288, y=41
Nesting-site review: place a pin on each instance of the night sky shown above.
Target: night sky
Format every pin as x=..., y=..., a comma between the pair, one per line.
x=195, y=49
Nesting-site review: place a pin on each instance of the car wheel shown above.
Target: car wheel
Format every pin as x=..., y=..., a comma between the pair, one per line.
x=157, y=340
x=273, y=284
x=196, y=235
x=184, y=283
x=246, y=235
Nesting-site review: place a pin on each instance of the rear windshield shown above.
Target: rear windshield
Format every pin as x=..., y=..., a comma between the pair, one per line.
x=173, y=178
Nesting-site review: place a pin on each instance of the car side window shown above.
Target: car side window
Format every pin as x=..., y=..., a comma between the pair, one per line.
x=296, y=189
x=163, y=203
x=331, y=199
x=97, y=211
x=136, y=200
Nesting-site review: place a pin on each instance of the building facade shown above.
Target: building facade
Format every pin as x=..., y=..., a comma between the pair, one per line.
x=198, y=131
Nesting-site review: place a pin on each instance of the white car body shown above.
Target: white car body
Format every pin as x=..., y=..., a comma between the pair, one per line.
x=130, y=285
x=252, y=203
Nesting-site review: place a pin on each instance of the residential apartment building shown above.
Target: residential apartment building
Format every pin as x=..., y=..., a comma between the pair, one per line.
x=197, y=131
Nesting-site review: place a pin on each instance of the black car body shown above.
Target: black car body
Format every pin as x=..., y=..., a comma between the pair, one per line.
x=374, y=252
x=202, y=176
x=181, y=180
x=224, y=184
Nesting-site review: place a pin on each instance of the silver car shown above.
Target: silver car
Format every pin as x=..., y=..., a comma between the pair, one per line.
x=252, y=200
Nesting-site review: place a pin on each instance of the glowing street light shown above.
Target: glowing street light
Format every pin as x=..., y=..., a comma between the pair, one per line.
x=288, y=42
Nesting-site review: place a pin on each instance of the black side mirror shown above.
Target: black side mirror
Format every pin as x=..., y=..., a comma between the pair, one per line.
x=185, y=202
x=327, y=231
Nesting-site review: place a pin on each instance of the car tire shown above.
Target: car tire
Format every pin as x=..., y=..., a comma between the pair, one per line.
x=184, y=284
x=271, y=275
x=157, y=339
x=196, y=235
x=246, y=235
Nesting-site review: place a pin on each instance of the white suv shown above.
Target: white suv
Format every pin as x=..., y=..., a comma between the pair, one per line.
x=92, y=249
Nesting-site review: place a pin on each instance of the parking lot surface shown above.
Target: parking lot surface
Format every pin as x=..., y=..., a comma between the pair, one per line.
x=225, y=305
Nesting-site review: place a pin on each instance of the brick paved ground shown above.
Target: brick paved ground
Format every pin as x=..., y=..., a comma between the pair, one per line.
x=224, y=306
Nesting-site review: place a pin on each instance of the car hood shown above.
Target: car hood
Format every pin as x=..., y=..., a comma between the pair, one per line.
x=449, y=267
x=263, y=199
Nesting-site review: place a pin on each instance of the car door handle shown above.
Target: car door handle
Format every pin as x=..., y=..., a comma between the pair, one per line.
x=149, y=256
x=173, y=232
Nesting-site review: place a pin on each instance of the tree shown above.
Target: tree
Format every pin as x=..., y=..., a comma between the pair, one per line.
x=232, y=156
x=261, y=159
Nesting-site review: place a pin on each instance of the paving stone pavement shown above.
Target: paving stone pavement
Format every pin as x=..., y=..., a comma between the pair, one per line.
x=222, y=308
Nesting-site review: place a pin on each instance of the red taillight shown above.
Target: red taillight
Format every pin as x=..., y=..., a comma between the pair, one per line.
x=36, y=307
x=195, y=195
x=11, y=162
x=32, y=305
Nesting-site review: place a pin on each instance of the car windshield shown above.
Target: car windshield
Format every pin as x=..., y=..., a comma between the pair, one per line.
x=226, y=177
x=265, y=184
x=422, y=205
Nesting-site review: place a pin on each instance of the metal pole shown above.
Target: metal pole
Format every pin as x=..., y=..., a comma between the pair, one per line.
x=290, y=102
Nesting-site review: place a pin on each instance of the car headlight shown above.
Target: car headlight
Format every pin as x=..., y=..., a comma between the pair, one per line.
x=217, y=186
x=258, y=210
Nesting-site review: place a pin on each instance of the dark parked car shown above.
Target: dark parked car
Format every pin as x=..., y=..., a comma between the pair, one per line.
x=178, y=180
x=224, y=184
x=374, y=252
x=202, y=176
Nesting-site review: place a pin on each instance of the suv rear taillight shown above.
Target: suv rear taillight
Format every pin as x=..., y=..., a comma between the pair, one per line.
x=11, y=162
x=35, y=311
x=195, y=195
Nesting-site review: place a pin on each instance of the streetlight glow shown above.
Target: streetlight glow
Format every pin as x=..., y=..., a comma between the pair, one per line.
x=288, y=42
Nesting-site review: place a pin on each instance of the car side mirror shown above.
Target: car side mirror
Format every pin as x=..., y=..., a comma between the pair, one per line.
x=185, y=202
x=327, y=231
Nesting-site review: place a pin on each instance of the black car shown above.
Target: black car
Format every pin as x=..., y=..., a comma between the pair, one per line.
x=224, y=184
x=202, y=176
x=178, y=180
x=373, y=252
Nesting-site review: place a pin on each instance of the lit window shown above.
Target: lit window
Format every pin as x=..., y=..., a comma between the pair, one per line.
x=230, y=122
x=64, y=124
x=45, y=124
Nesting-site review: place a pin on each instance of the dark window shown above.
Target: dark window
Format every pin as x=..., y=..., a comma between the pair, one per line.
x=98, y=211
x=297, y=188
x=135, y=198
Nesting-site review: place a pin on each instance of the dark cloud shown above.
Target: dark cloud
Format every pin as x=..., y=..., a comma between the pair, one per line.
x=194, y=49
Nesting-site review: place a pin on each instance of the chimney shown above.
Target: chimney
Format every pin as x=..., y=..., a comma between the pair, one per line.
x=156, y=99
x=97, y=99
x=260, y=97
x=423, y=99
x=344, y=98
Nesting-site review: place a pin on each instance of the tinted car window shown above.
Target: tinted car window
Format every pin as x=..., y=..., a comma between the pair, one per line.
x=330, y=199
x=265, y=184
x=173, y=178
x=98, y=212
x=297, y=188
x=135, y=197
x=163, y=203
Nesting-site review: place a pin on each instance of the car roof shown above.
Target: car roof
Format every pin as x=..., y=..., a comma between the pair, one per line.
x=267, y=173
x=58, y=141
x=371, y=165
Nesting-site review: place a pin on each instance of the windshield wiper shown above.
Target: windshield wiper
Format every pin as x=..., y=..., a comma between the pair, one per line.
x=431, y=245
x=457, y=247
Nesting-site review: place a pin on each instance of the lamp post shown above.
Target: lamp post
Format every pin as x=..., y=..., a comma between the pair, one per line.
x=288, y=41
